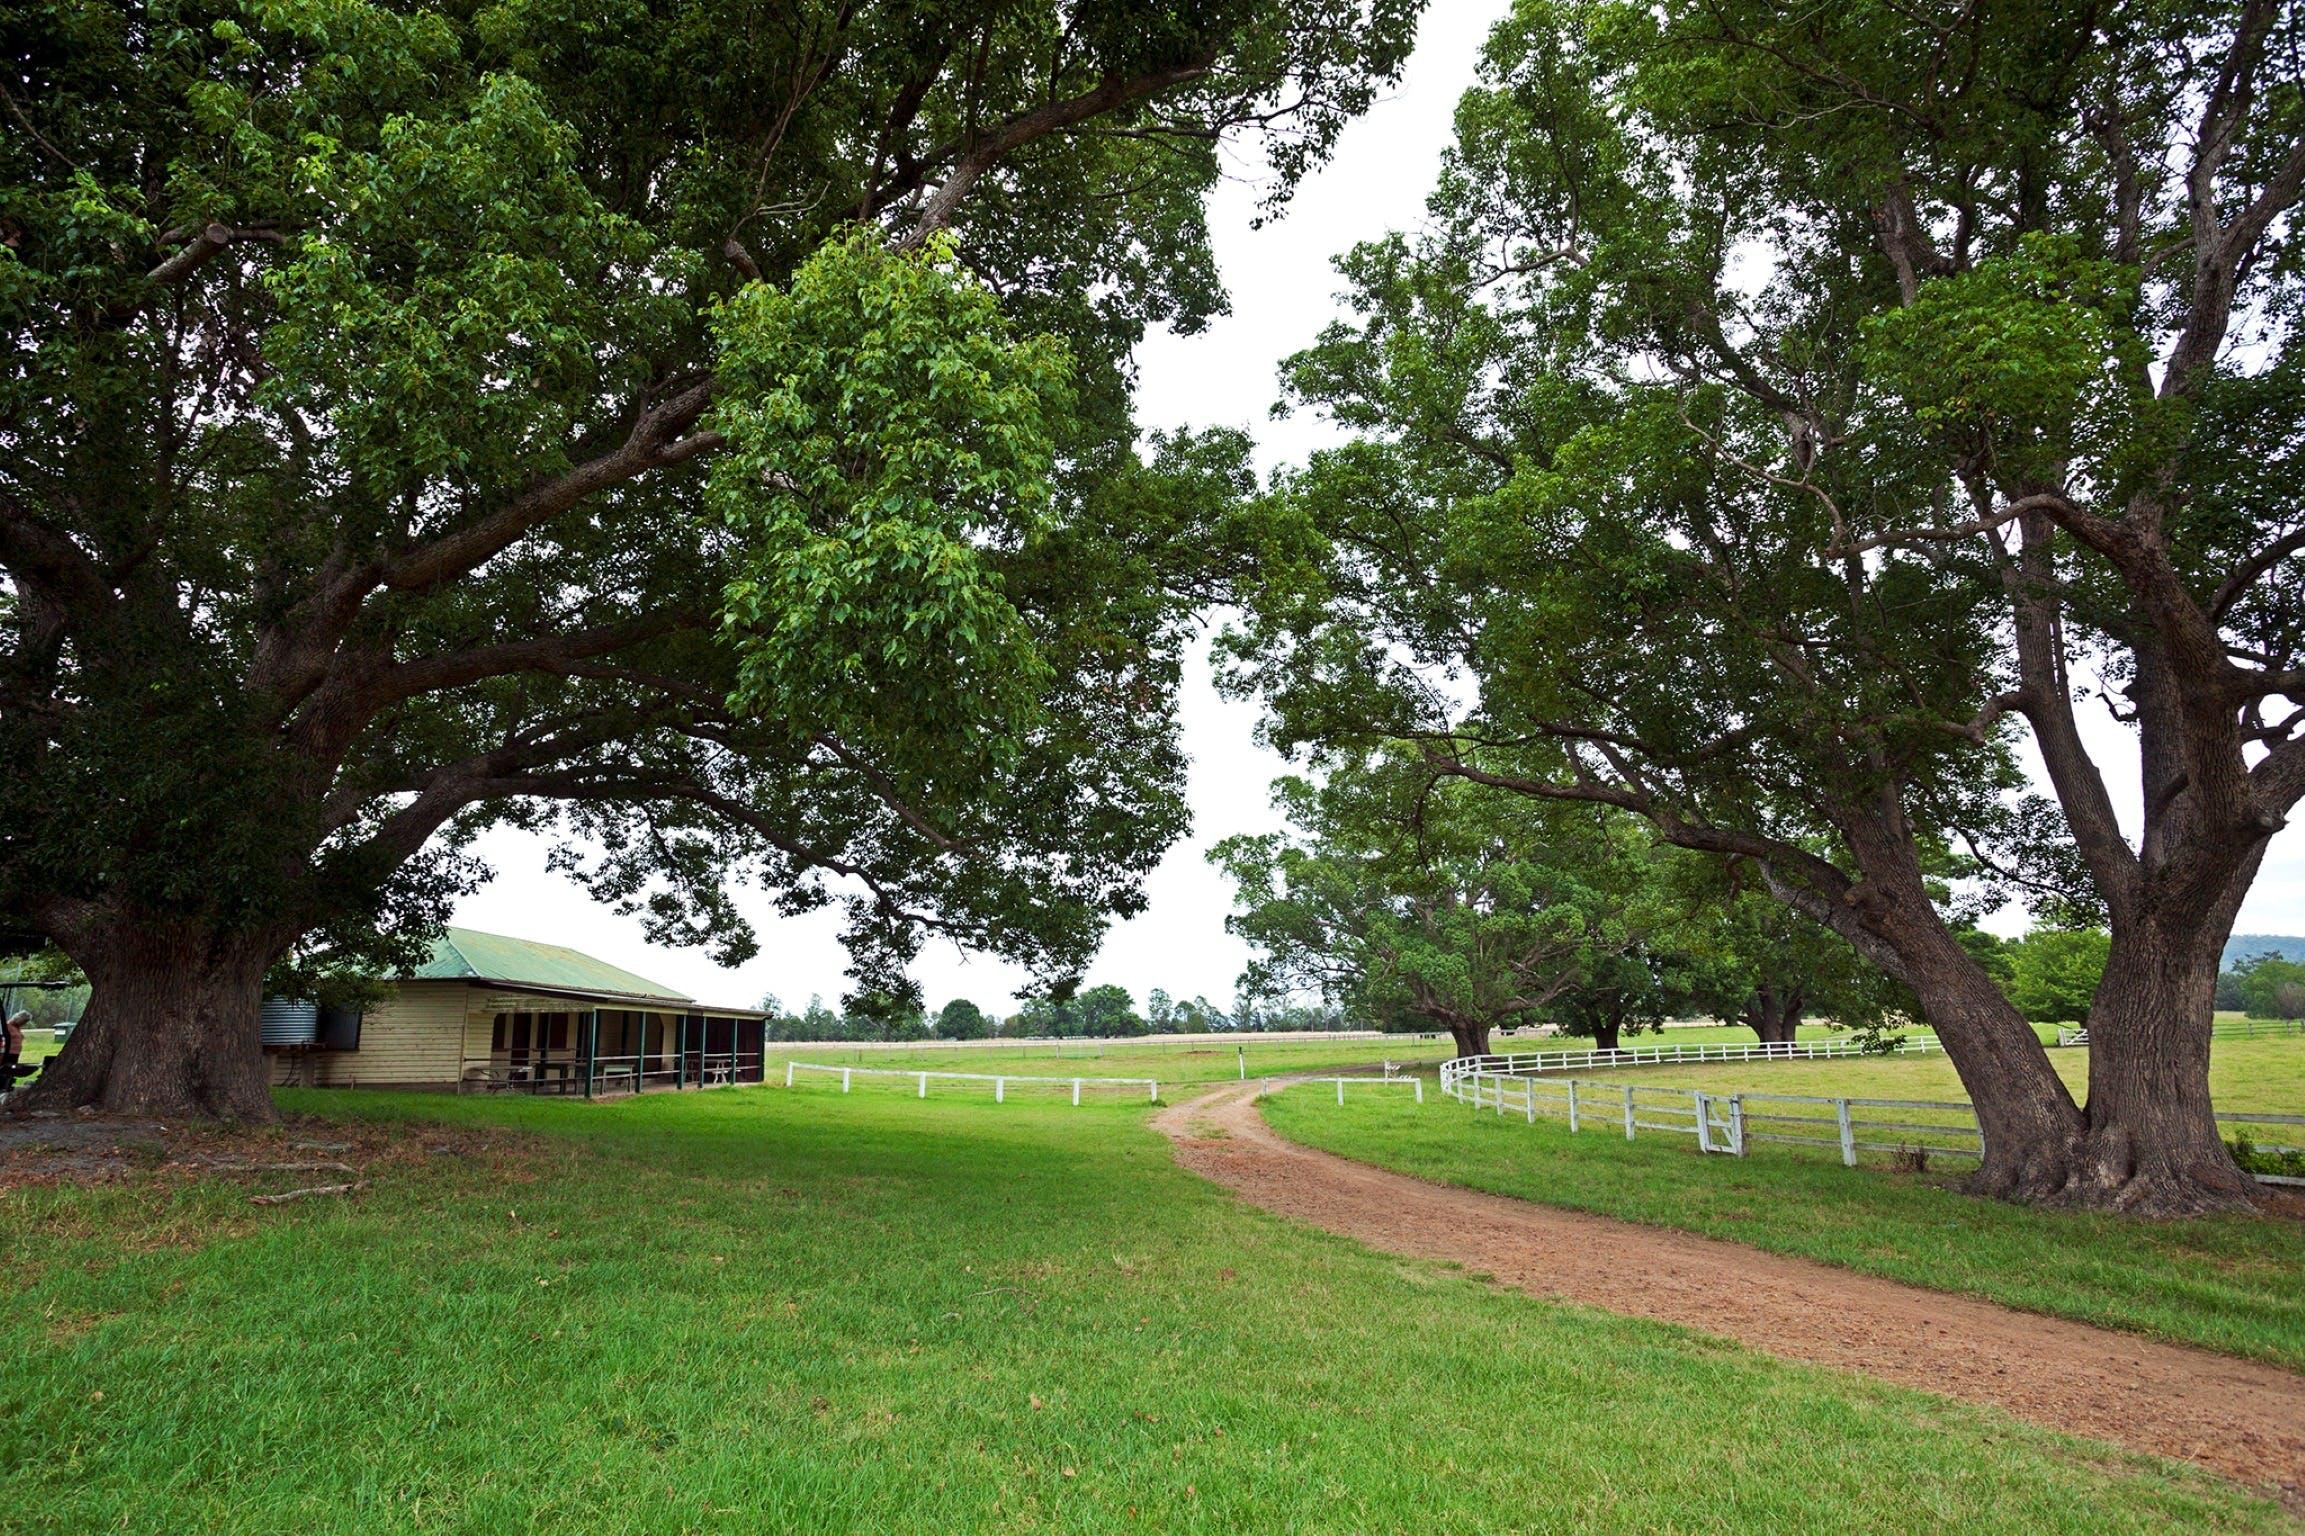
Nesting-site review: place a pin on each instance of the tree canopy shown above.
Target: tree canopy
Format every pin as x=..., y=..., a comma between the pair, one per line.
x=1746, y=958
x=699, y=430
x=1785, y=409
x=2055, y=972
x=1399, y=895
x=2272, y=988
x=961, y=1019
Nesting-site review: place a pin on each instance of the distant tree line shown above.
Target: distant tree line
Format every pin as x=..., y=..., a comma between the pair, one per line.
x=2266, y=986
x=1102, y=1012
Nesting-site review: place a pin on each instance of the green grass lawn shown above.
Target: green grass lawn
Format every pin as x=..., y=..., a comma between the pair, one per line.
x=759, y=1311
x=2229, y=1283
x=2264, y=1074
x=1167, y=1061
x=1199, y=1061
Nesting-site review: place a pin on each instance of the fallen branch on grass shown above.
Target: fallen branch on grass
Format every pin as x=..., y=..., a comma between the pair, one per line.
x=287, y=1195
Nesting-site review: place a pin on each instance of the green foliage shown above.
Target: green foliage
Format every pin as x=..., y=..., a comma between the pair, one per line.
x=1759, y=379
x=1748, y=959
x=705, y=438
x=2053, y=973
x=883, y=428
x=1401, y=899
x=882, y=1015
x=2033, y=349
x=961, y=1019
x=815, y=1022
x=2272, y=988
x=2283, y=1162
x=1100, y=1012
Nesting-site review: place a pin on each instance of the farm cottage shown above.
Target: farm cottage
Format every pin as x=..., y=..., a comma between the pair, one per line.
x=487, y=1012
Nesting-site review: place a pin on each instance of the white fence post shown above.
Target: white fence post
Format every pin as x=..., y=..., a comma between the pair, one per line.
x=1737, y=1124
x=1704, y=1121
x=1628, y=1111
x=1528, y=1099
x=788, y=1074
x=1076, y=1091
x=1572, y=1106
x=1420, y=1082
x=1848, y=1133
x=924, y=1085
x=1000, y=1090
x=1340, y=1091
x=844, y=1079
x=1152, y=1093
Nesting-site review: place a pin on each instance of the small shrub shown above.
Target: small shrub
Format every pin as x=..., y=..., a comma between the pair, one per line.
x=2288, y=1162
x=1910, y=1159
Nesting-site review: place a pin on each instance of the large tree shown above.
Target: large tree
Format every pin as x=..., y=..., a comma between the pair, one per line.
x=1749, y=959
x=2054, y=973
x=1398, y=895
x=961, y=1019
x=1786, y=410
x=700, y=426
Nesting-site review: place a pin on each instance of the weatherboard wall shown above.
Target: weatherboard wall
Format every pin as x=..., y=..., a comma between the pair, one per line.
x=413, y=1037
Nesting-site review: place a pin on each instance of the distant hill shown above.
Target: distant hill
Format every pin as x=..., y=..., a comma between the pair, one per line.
x=2247, y=946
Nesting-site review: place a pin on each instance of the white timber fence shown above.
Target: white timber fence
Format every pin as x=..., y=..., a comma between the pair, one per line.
x=1000, y=1081
x=2243, y=1029
x=1730, y=1122
x=1388, y=1080
x=1520, y=1063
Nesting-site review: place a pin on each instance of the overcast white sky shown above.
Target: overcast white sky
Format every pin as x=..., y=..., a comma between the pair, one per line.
x=1282, y=290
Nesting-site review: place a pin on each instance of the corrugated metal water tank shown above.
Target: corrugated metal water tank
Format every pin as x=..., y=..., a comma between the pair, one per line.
x=287, y=1021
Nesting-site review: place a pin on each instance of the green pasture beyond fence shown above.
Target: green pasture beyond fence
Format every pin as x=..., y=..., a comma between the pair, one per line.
x=1914, y=1129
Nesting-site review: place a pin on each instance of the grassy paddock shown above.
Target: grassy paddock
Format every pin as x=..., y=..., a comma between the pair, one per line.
x=2264, y=1074
x=759, y=1311
x=1196, y=1061
x=1199, y=1061
x=2228, y=1283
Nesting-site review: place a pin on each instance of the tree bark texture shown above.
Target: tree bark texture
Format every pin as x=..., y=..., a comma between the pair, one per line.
x=2150, y=1143
x=170, y=1030
x=1472, y=1038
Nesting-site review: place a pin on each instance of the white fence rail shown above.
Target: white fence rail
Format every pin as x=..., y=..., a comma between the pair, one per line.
x=1417, y=1083
x=2240, y=1029
x=1730, y=1122
x=1520, y=1063
x=1000, y=1080
x=2250, y=1029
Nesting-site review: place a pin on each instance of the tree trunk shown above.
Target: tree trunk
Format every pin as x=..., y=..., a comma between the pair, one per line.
x=2151, y=1145
x=170, y=1029
x=1606, y=1034
x=1773, y=1016
x=2031, y=1126
x=1472, y=1039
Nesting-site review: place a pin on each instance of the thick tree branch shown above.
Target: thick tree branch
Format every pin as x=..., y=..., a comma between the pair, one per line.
x=544, y=653
x=656, y=433
x=2246, y=575
x=972, y=157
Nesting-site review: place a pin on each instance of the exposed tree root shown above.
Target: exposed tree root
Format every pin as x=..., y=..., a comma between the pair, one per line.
x=287, y=1195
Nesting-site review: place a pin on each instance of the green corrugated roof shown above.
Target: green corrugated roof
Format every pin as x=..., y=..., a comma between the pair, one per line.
x=466, y=954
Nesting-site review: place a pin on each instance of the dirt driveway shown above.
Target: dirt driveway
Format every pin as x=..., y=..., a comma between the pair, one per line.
x=2237, y=1417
